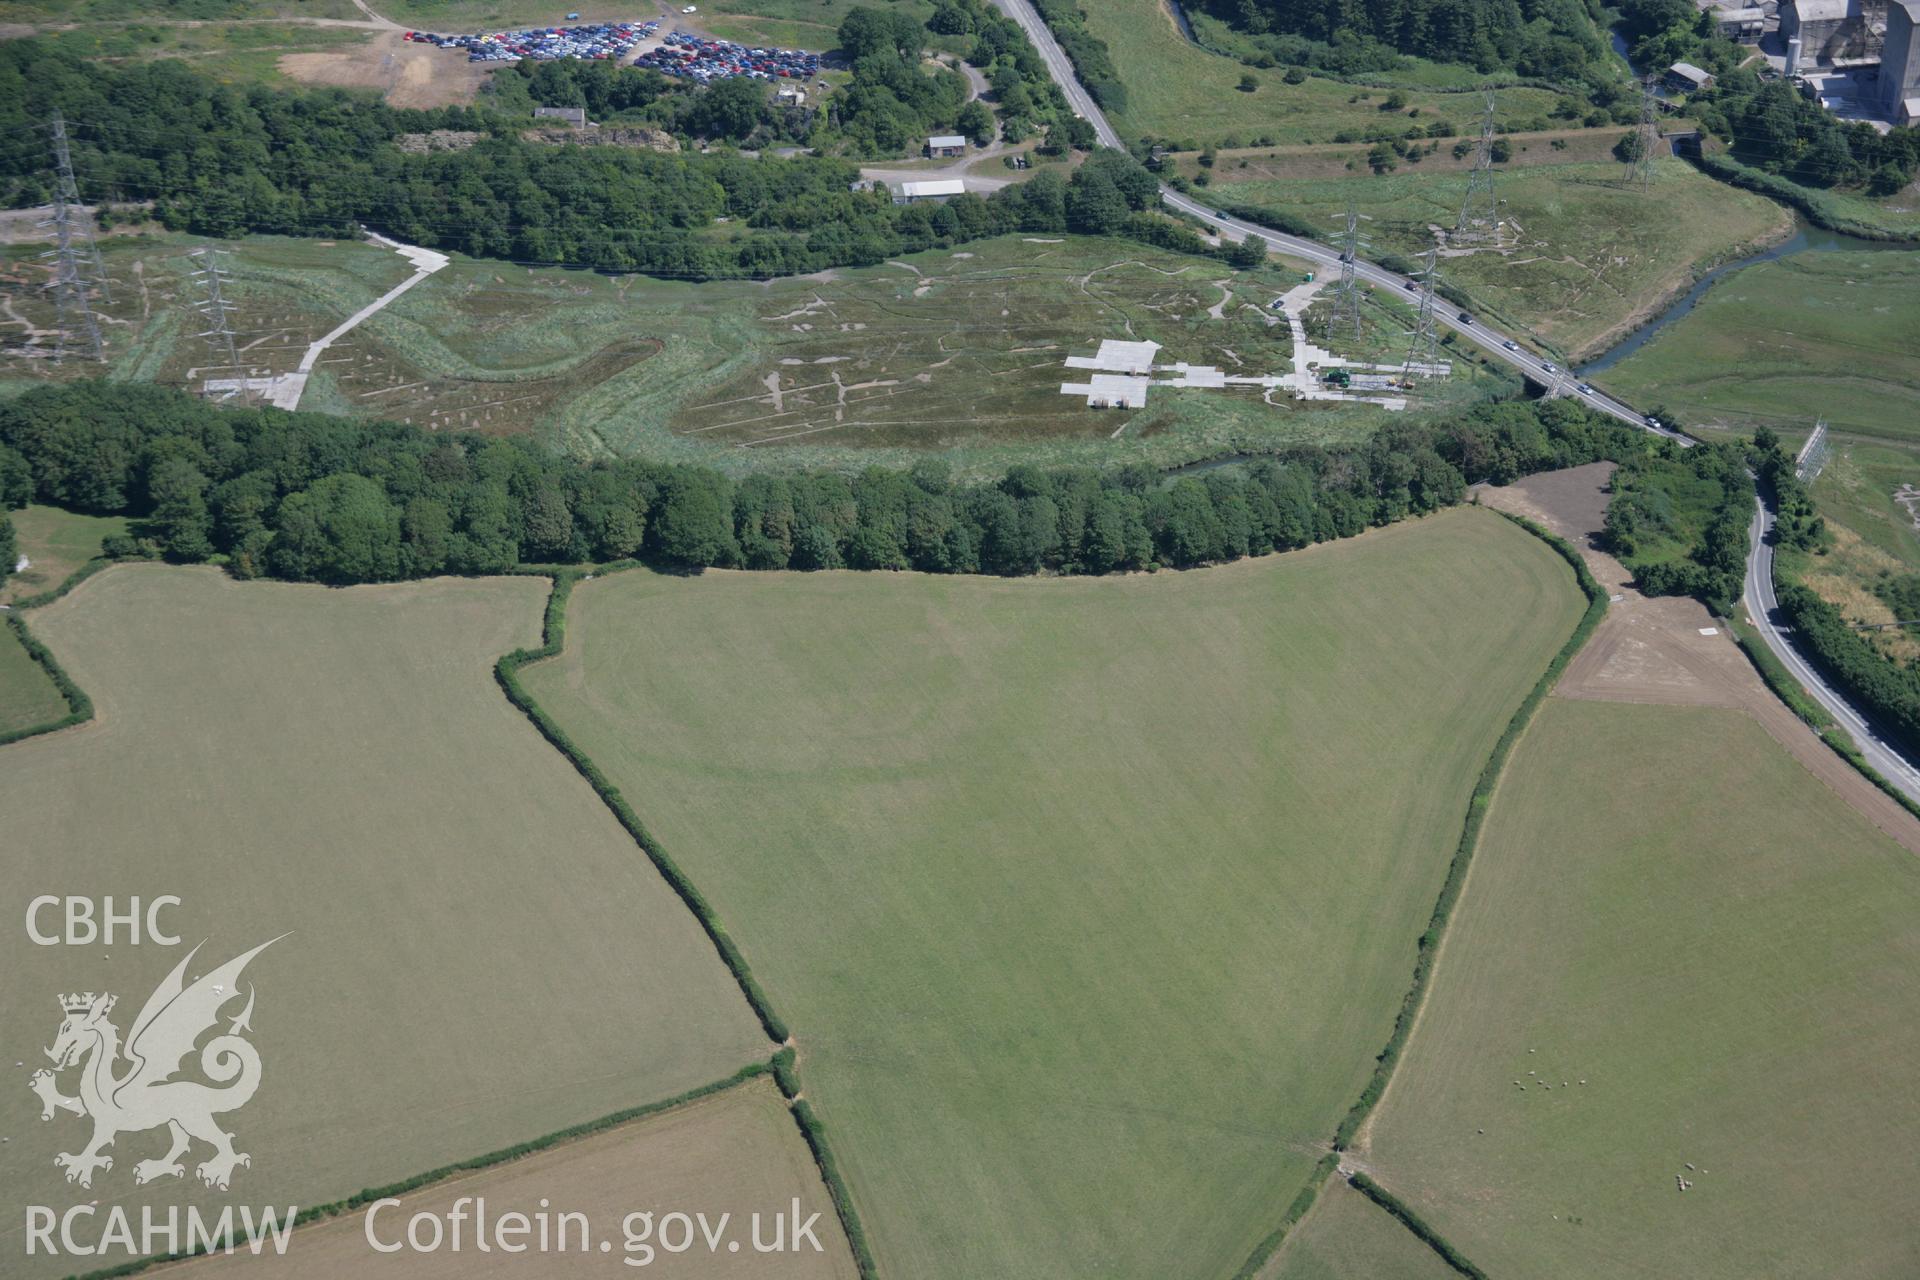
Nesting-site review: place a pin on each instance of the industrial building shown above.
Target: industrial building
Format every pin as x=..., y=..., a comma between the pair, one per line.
x=1900, y=63
x=1833, y=33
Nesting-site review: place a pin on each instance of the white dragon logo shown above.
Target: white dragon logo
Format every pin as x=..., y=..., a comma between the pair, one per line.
x=146, y=1096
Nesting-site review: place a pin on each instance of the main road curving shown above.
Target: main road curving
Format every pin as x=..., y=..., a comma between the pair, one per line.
x=1881, y=754
x=1490, y=340
x=1765, y=604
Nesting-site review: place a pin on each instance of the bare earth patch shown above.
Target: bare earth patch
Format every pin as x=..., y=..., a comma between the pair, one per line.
x=406, y=74
x=1651, y=650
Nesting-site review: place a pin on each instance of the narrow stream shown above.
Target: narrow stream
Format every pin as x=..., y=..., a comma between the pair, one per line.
x=1806, y=239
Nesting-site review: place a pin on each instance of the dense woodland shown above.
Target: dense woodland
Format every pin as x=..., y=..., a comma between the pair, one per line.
x=221, y=161
x=1557, y=40
x=315, y=498
x=893, y=102
x=1678, y=518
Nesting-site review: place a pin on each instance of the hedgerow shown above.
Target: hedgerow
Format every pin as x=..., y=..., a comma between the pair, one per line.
x=1264, y=1251
x=334, y=1208
x=1477, y=805
x=1399, y=1208
x=79, y=705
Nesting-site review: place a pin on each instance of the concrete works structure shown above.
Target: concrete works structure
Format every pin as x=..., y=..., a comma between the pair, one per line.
x=284, y=391
x=1124, y=370
x=1834, y=33
x=1900, y=63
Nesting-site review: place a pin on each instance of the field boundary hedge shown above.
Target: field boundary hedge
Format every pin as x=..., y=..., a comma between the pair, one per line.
x=79, y=705
x=504, y=1155
x=783, y=1064
x=1413, y=1222
x=1429, y=944
x=506, y=672
x=1477, y=806
x=1264, y=1251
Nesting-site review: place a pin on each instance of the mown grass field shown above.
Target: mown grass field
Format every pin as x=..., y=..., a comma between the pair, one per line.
x=1089, y=902
x=27, y=695
x=1667, y=907
x=960, y=353
x=1781, y=344
x=479, y=953
x=791, y=24
x=55, y=543
x=735, y=1153
x=1585, y=258
x=1178, y=90
x=1348, y=1237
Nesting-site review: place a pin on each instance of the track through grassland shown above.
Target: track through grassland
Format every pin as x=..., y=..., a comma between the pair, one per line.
x=1089, y=902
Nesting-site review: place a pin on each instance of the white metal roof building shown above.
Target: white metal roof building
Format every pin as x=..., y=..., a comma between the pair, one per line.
x=1118, y=357
x=947, y=141
x=932, y=189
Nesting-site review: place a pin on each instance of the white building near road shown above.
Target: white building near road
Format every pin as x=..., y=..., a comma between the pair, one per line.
x=933, y=189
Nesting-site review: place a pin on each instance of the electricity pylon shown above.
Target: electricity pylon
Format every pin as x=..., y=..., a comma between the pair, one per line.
x=214, y=307
x=1345, y=315
x=76, y=259
x=1647, y=139
x=1479, y=213
x=1423, y=352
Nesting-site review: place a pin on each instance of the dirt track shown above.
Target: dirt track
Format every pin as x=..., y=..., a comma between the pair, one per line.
x=1652, y=650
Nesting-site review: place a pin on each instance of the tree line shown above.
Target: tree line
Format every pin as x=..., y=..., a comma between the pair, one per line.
x=1767, y=124
x=1557, y=40
x=309, y=497
x=221, y=161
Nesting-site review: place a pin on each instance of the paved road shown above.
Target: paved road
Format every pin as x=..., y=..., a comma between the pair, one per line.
x=1497, y=345
x=1759, y=587
x=1880, y=753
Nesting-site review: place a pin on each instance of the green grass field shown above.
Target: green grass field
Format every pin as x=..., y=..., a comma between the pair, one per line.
x=1178, y=90
x=1585, y=258
x=960, y=353
x=1818, y=335
x=55, y=543
x=1348, y=1237
x=1089, y=902
x=27, y=695
x=1669, y=908
x=1856, y=488
x=479, y=954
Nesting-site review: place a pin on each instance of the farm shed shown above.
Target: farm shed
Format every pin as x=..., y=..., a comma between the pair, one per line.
x=1688, y=78
x=941, y=189
x=947, y=144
